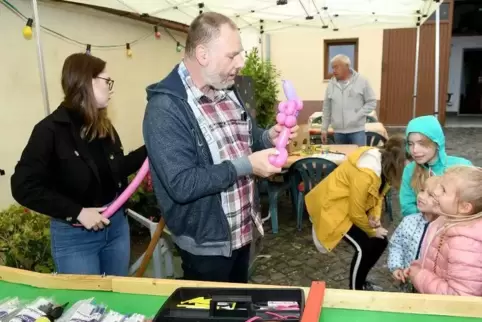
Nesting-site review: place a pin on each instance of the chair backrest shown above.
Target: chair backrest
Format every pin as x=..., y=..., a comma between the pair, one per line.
x=312, y=170
x=371, y=119
x=375, y=139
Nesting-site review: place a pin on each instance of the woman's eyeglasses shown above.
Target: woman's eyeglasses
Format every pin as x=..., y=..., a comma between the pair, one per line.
x=109, y=82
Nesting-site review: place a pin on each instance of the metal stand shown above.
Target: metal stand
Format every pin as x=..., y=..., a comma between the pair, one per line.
x=40, y=58
x=437, y=61
x=415, y=82
x=162, y=256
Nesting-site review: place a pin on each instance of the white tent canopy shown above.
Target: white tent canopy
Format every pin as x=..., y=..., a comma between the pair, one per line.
x=255, y=17
x=277, y=15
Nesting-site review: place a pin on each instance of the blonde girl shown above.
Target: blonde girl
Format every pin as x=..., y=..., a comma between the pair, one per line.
x=451, y=259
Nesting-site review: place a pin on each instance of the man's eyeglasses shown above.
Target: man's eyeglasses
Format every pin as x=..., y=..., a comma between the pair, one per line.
x=109, y=82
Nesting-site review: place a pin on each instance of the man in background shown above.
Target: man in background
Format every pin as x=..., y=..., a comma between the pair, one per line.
x=205, y=151
x=349, y=98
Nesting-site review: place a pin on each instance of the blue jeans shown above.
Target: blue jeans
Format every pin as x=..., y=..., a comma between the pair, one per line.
x=76, y=250
x=358, y=138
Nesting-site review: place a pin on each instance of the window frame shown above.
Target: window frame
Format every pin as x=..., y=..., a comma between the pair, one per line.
x=333, y=42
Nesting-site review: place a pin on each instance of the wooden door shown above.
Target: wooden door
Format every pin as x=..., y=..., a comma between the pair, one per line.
x=398, y=71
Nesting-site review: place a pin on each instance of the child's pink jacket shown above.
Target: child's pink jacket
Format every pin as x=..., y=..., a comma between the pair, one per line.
x=458, y=268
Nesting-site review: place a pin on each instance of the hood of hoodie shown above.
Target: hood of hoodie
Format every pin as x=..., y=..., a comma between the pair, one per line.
x=354, y=76
x=429, y=126
x=171, y=85
x=355, y=155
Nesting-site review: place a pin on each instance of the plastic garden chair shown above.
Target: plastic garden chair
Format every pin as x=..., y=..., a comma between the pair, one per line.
x=310, y=171
x=376, y=139
x=275, y=189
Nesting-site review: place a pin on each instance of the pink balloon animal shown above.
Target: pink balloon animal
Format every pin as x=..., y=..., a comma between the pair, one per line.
x=288, y=111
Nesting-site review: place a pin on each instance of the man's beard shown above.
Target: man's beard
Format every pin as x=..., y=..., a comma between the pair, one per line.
x=217, y=81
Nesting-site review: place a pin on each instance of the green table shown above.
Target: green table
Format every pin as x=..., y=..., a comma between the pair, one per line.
x=149, y=304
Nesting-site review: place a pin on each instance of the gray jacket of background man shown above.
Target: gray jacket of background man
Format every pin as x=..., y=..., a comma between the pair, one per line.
x=346, y=108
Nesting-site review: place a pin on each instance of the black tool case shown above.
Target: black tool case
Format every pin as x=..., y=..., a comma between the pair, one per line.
x=246, y=304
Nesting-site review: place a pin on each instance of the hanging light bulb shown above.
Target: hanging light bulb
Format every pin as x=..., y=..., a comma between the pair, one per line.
x=87, y=50
x=157, y=33
x=128, y=50
x=27, y=30
x=178, y=47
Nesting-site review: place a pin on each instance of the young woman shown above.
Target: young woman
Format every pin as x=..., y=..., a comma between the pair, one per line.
x=72, y=167
x=348, y=205
x=426, y=145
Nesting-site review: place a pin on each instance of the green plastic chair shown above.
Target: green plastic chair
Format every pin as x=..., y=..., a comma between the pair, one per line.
x=306, y=174
x=275, y=190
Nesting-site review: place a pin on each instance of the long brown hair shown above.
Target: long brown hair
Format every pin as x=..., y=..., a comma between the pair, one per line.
x=393, y=159
x=420, y=173
x=77, y=73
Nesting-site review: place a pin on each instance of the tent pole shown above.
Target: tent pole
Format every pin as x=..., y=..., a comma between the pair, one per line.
x=40, y=59
x=437, y=61
x=415, y=81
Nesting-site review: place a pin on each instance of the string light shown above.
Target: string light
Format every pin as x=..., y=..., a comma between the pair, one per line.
x=27, y=33
x=128, y=50
x=157, y=33
x=27, y=30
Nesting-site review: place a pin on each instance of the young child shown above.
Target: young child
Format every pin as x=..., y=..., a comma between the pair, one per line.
x=404, y=246
x=451, y=255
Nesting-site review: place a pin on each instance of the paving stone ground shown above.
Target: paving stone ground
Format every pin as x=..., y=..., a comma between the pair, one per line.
x=290, y=258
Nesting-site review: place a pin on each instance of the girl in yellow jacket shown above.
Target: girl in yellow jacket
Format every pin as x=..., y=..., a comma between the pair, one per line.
x=348, y=204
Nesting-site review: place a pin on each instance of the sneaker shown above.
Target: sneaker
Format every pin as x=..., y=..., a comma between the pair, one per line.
x=369, y=286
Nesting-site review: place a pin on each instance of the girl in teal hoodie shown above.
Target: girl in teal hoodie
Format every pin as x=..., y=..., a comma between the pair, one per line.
x=426, y=145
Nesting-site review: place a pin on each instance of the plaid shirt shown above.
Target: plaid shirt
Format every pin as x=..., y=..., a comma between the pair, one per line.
x=233, y=138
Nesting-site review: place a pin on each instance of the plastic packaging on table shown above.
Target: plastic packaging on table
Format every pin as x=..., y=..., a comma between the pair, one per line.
x=32, y=311
x=8, y=307
x=113, y=316
x=135, y=318
x=84, y=311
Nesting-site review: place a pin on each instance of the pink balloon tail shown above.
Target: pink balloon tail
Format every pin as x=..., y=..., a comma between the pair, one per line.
x=127, y=193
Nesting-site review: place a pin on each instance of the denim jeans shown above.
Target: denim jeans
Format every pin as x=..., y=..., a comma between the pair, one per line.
x=358, y=138
x=76, y=250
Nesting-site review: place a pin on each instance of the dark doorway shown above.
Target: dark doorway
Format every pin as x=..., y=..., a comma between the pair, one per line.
x=471, y=89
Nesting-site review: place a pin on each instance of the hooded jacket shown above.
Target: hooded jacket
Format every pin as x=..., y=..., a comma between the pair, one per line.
x=347, y=197
x=346, y=107
x=186, y=181
x=430, y=127
x=404, y=245
x=451, y=259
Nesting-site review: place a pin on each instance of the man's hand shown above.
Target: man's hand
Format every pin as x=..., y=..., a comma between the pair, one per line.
x=261, y=165
x=324, y=137
x=275, y=131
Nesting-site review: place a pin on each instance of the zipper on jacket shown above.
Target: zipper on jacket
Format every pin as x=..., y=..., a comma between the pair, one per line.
x=342, y=106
